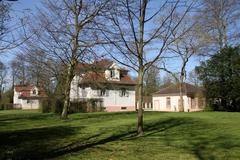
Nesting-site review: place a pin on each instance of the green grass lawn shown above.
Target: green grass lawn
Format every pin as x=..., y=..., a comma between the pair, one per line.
x=111, y=136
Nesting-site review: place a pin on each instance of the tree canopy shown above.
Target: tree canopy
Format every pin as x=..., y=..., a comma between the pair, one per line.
x=221, y=78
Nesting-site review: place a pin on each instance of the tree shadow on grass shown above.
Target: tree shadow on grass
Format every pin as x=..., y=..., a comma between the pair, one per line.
x=8, y=119
x=100, y=139
x=188, y=132
x=32, y=143
x=195, y=137
x=102, y=115
x=47, y=143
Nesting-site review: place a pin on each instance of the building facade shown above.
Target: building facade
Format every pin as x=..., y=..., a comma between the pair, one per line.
x=105, y=83
x=27, y=97
x=168, y=99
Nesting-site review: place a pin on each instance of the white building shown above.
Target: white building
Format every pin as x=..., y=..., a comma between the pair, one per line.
x=27, y=97
x=168, y=98
x=105, y=82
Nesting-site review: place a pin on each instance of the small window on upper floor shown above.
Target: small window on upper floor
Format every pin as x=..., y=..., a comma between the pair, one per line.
x=112, y=73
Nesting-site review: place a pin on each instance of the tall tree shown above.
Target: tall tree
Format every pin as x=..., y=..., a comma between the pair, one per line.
x=64, y=30
x=188, y=44
x=219, y=23
x=151, y=80
x=221, y=78
x=4, y=17
x=194, y=78
x=3, y=73
x=139, y=36
x=19, y=70
x=12, y=34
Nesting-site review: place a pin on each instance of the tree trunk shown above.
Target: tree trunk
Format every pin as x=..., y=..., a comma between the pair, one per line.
x=140, y=103
x=71, y=67
x=70, y=75
x=181, y=109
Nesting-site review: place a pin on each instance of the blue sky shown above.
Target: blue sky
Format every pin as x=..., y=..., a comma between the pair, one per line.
x=19, y=8
x=22, y=7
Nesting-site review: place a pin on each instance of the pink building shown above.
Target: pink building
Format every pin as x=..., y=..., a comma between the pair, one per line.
x=168, y=98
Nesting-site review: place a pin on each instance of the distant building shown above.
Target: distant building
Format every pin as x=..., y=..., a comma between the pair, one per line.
x=168, y=98
x=28, y=97
x=147, y=103
x=106, y=84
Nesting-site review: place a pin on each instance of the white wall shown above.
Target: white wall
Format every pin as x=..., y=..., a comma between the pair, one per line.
x=159, y=103
x=16, y=100
x=23, y=103
x=30, y=104
x=112, y=98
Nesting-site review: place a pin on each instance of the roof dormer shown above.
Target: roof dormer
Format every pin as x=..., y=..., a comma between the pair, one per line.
x=113, y=73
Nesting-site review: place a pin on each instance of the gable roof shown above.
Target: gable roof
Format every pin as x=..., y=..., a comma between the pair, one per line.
x=23, y=88
x=25, y=92
x=95, y=66
x=95, y=72
x=93, y=77
x=174, y=89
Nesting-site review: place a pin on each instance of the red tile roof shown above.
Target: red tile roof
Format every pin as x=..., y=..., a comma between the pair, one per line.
x=23, y=88
x=25, y=92
x=95, y=73
x=93, y=77
x=95, y=66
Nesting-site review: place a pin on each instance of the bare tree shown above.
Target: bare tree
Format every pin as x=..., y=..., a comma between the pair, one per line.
x=194, y=78
x=12, y=34
x=3, y=73
x=219, y=22
x=151, y=80
x=139, y=35
x=189, y=44
x=19, y=70
x=4, y=16
x=40, y=70
x=64, y=30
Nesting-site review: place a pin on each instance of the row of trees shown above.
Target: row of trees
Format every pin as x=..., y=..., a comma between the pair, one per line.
x=142, y=35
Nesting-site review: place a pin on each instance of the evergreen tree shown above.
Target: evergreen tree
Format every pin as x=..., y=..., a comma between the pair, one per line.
x=221, y=78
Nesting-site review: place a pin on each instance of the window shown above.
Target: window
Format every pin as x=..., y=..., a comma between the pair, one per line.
x=103, y=92
x=30, y=101
x=123, y=108
x=81, y=86
x=123, y=92
x=201, y=103
x=179, y=104
x=168, y=102
x=193, y=103
x=112, y=73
